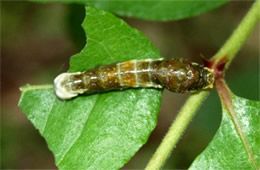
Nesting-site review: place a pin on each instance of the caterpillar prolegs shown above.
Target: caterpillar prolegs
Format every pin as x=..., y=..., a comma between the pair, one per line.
x=176, y=75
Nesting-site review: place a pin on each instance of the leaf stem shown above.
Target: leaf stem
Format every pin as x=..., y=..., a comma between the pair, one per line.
x=228, y=50
x=176, y=130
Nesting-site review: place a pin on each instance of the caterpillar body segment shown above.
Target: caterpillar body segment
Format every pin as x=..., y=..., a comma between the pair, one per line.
x=177, y=75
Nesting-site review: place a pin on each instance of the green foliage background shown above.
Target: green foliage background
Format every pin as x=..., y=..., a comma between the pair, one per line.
x=163, y=10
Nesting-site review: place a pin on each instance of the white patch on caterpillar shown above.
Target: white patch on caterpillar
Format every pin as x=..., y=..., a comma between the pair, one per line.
x=119, y=74
x=60, y=90
x=135, y=73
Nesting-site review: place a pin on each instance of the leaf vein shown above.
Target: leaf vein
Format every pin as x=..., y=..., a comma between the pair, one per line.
x=50, y=110
x=242, y=136
x=104, y=47
x=62, y=158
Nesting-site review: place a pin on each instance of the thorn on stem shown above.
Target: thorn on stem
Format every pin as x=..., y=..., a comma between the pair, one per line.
x=207, y=63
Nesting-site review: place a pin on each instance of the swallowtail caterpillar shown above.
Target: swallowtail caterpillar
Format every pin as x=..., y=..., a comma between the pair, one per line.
x=176, y=75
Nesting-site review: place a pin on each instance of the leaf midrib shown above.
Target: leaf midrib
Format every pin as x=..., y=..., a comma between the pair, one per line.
x=227, y=102
x=62, y=158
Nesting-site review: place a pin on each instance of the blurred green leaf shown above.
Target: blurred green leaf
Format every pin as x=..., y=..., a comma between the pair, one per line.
x=101, y=131
x=227, y=149
x=76, y=15
x=161, y=10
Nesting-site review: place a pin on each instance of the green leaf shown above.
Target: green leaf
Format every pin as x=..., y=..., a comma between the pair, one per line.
x=161, y=10
x=236, y=143
x=101, y=131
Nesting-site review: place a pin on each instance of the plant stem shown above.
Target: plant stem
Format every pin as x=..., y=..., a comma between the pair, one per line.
x=176, y=130
x=229, y=49
x=240, y=35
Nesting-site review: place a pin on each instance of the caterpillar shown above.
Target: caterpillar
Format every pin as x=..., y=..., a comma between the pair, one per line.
x=176, y=75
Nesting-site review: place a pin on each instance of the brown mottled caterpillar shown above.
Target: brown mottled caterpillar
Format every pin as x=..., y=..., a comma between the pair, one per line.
x=176, y=75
